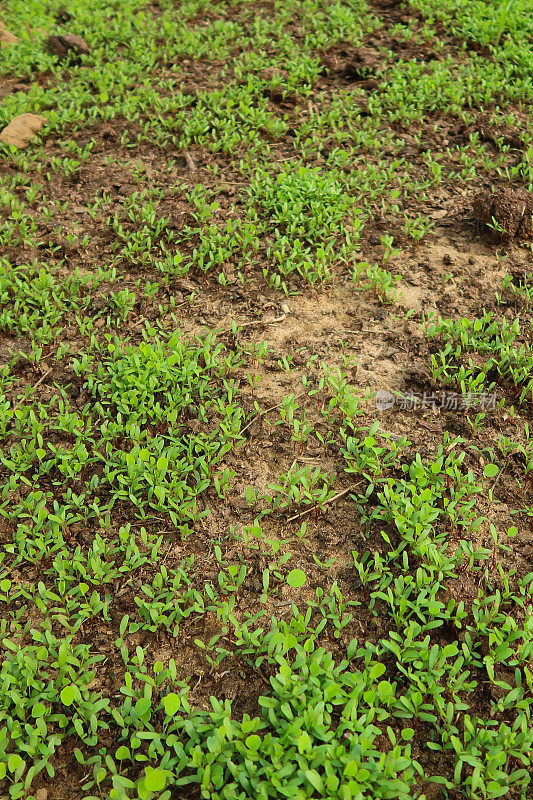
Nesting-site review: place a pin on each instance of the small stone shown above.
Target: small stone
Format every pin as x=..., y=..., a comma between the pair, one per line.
x=21, y=129
x=63, y=45
x=41, y=794
x=447, y=260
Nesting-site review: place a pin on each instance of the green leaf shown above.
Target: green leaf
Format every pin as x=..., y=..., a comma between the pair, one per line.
x=162, y=464
x=14, y=762
x=351, y=769
x=384, y=689
x=296, y=578
x=122, y=753
x=250, y=495
x=253, y=742
x=155, y=780
x=304, y=742
x=331, y=690
x=38, y=710
x=491, y=470
x=314, y=779
x=68, y=695
x=376, y=672
x=352, y=649
x=171, y=703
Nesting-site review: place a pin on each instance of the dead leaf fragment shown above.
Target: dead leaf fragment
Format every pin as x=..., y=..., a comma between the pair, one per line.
x=21, y=129
x=6, y=37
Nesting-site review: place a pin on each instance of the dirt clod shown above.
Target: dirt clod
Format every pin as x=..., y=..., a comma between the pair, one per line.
x=66, y=44
x=350, y=64
x=63, y=15
x=507, y=212
x=490, y=132
x=21, y=129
